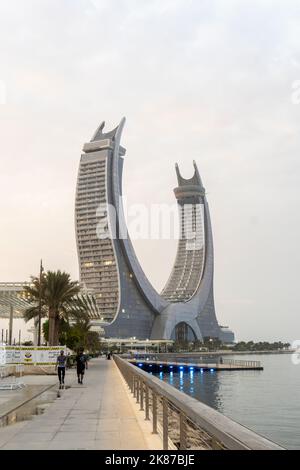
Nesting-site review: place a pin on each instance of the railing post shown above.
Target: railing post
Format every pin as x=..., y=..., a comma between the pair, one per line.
x=154, y=412
x=165, y=423
x=129, y=380
x=138, y=390
x=183, y=436
x=141, y=395
x=134, y=386
x=147, y=403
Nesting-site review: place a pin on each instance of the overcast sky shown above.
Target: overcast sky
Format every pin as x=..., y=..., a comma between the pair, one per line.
x=196, y=79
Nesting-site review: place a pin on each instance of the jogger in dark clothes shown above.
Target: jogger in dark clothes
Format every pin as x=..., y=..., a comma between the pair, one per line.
x=82, y=364
x=61, y=363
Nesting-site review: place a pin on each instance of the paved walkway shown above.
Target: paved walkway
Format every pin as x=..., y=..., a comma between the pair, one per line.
x=97, y=415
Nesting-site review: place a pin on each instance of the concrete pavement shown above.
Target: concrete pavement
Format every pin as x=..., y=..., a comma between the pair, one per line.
x=97, y=415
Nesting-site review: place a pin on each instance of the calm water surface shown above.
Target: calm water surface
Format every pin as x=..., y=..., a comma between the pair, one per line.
x=267, y=401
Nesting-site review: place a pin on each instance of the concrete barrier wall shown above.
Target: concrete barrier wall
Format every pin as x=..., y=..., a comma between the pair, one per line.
x=17, y=370
x=6, y=371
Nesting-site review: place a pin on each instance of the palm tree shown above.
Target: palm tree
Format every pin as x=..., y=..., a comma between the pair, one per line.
x=75, y=326
x=57, y=294
x=81, y=310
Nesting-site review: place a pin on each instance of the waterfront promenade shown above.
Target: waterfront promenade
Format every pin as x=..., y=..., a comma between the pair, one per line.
x=97, y=415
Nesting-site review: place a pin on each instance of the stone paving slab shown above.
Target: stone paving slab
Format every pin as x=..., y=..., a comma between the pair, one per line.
x=96, y=415
x=21, y=397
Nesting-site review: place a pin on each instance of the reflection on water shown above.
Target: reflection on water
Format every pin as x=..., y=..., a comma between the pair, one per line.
x=265, y=401
x=201, y=385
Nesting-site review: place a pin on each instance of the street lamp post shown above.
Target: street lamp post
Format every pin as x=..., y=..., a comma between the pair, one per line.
x=11, y=319
x=40, y=305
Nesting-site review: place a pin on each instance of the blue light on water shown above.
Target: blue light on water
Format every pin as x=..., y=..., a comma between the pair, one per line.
x=212, y=370
x=181, y=379
x=161, y=374
x=191, y=368
x=160, y=366
x=150, y=365
x=201, y=371
x=181, y=367
x=171, y=367
x=141, y=365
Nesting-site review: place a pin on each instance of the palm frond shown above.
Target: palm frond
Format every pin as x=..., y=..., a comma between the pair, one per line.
x=33, y=312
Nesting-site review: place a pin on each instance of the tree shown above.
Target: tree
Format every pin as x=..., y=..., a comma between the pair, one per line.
x=64, y=328
x=45, y=329
x=197, y=345
x=92, y=342
x=260, y=346
x=181, y=346
x=212, y=344
x=57, y=293
x=75, y=333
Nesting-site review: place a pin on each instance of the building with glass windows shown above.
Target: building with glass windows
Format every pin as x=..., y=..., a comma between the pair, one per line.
x=127, y=304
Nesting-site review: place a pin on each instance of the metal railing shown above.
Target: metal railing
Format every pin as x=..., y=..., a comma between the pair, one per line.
x=187, y=422
x=240, y=363
x=212, y=362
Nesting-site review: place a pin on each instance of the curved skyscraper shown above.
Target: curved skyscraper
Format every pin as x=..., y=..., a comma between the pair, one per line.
x=128, y=305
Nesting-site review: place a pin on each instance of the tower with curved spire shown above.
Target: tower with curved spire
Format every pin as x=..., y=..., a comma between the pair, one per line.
x=128, y=305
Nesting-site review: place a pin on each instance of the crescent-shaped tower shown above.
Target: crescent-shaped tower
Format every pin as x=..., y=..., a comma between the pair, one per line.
x=128, y=305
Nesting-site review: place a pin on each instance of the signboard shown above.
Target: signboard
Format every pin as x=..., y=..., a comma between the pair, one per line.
x=40, y=355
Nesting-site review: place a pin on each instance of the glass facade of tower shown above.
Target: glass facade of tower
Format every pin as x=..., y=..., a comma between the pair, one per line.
x=98, y=271
x=190, y=259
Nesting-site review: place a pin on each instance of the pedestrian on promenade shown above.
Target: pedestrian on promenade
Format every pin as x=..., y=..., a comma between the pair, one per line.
x=82, y=365
x=60, y=366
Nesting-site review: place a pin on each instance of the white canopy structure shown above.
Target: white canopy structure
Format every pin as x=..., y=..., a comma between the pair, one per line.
x=13, y=303
x=13, y=297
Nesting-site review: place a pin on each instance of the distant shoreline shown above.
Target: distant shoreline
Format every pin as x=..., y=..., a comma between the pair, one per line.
x=221, y=352
x=254, y=352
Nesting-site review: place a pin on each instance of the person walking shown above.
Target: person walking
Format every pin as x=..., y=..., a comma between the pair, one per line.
x=61, y=363
x=82, y=365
